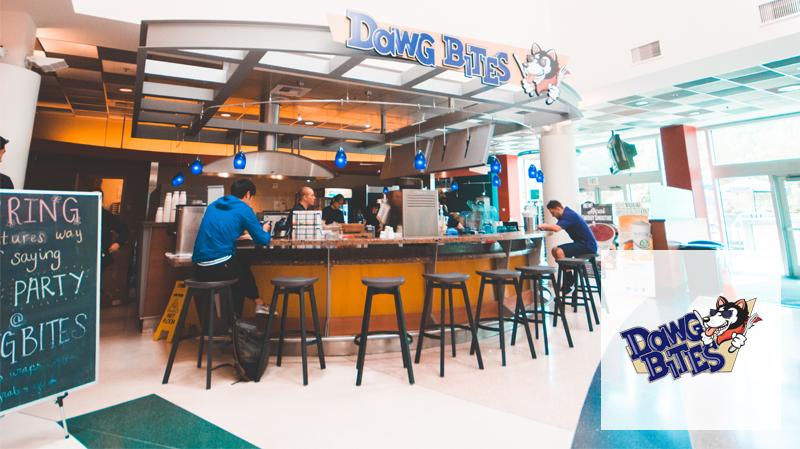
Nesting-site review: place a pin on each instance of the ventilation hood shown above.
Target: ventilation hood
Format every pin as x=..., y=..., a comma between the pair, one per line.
x=270, y=164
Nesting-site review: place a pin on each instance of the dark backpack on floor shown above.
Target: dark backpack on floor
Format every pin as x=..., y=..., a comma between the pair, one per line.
x=247, y=342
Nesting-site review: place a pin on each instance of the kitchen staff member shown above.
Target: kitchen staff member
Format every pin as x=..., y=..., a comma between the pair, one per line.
x=333, y=213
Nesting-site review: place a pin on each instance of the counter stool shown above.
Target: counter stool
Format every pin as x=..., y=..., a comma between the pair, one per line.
x=446, y=281
x=582, y=294
x=501, y=278
x=596, y=288
x=298, y=286
x=204, y=294
x=536, y=274
x=383, y=286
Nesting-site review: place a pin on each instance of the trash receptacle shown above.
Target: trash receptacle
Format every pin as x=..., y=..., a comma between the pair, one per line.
x=702, y=262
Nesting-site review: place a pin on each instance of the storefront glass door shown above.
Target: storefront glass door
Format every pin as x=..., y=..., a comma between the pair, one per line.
x=793, y=230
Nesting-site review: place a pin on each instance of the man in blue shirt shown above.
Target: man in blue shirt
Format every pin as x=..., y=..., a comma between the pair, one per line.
x=214, y=254
x=583, y=241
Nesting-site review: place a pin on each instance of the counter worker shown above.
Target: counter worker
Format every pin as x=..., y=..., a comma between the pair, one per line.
x=303, y=200
x=5, y=181
x=583, y=241
x=110, y=222
x=333, y=213
x=452, y=219
x=214, y=254
x=372, y=217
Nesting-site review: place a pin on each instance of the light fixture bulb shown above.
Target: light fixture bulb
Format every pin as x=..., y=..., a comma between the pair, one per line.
x=495, y=166
x=240, y=161
x=419, y=161
x=299, y=117
x=496, y=181
x=385, y=190
x=178, y=179
x=454, y=186
x=341, y=158
x=367, y=125
x=197, y=166
x=532, y=171
x=540, y=176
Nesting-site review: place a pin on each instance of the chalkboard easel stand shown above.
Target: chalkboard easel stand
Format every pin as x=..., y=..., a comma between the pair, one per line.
x=60, y=402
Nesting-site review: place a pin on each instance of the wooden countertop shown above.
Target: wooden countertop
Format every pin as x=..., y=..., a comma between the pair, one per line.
x=475, y=238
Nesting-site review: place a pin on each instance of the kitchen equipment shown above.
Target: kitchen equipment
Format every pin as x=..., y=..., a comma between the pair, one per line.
x=415, y=210
x=187, y=222
x=279, y=222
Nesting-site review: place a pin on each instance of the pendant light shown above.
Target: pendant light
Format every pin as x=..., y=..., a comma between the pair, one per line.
x=532, y=171
x=540, y=176
x=240, y=161
x=419, y=161
x=340, y=161
x=495, y=166
x=178, y=179
x=496, y=180
x=197, y=166
x=454, y=186
x=385, y=190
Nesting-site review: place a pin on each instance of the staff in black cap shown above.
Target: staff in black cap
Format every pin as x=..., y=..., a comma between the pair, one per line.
x=5, y=181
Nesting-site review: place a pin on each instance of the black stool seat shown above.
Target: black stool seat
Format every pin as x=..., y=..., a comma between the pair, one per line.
x=298, y=286
x=537, y=269
x=383, y=281
x=383, y=286
x=204, y=294
x=286, y=281
x=498, y=274
x=446, y=281
x=572, y=261
x=499, y=279
x=446, y=278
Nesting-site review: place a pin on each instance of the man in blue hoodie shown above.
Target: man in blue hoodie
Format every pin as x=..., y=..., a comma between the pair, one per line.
x=214, y=254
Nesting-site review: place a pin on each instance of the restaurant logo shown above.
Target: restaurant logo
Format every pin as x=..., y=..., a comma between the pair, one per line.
x=693, y=343
x=541, y=73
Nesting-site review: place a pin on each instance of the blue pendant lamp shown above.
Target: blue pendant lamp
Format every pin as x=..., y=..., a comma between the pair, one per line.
x=494, y=166
x=178, y=179
x=340, y=161
x=454, y=186
x=197, y=166
x=540, y=176
x=532, y=171
x=419, y=161
x=240, y=161
x=496, y=181
x=385, y=190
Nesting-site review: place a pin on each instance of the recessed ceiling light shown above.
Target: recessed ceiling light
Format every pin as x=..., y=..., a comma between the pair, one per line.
x=789, y=88
x=641, y=103
x=125, y=89
x=694, y=113
x=225, y=114
x=309, y=123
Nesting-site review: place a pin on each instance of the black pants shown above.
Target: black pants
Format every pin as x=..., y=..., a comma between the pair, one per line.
x=234, y=268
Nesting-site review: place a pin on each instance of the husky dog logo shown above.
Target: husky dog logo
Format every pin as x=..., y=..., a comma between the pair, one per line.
x=693, y=343
x=729, y=321
x=541, y=73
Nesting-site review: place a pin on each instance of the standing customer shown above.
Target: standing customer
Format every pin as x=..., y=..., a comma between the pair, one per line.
x=333, y=213
x=214, y=254
x=5, y=181
x=110, y=225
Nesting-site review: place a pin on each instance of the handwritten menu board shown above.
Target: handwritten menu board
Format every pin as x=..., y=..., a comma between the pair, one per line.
x=49, y=294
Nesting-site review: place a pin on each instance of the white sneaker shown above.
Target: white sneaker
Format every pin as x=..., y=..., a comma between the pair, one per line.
x=262, y=309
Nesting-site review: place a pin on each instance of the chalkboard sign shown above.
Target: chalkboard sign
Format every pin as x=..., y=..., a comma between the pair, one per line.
x=49, y=294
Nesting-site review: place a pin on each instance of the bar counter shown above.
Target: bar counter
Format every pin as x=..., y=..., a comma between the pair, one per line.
x=341, y=263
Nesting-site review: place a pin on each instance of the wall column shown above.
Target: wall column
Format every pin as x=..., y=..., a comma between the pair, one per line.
x=508, y=206
x=560, y=168
x=19, y=91
x=682, y=163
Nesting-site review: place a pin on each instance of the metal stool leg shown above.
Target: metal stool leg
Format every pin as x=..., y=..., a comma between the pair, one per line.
x=540, y=303
x=520, y=310
x=452, y=320
x=472, y=325
x=401, y=324
x=362, y=347
x=285, y=292
x=317, y=329
x=441, y=331
x=303, y=348
x=499, y=295
x=477, y=316
x=560, y=310
x=265, y=346
x=203, y=315
x=211, y=307
x=176, y=336
x=426, y=308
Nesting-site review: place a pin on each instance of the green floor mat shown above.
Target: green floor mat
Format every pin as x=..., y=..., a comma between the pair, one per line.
x=149, y=422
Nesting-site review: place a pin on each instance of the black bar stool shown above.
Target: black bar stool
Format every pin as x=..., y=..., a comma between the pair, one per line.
x=596, y=288
x=383, y=286
x=446, y=281
x=204, y=294
x=501, y=278
x=582, y=293
x=298, y=286
x=536, y=274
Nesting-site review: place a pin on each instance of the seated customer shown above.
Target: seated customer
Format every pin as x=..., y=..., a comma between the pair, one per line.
x=333, y=213
x=214, y=254
x=583, y=241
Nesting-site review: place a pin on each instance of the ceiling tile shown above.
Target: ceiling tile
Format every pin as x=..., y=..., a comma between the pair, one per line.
x=784, y=90
x=715, y=86
x=112, y=54
x=680, y=93
x=120, y=68
x=791, y=69
x=659, y=105
x=626, y=99
x=693, y=112
x=693, y=99
x=665, y=90
x=742, y=72
x=714, y=102
x=632, y=111
x=613, y=109
x=731, y=91
x=743, y=110
x=86, y=75
x=755, y=77
x=68, y=48
x=783, y=62
x=699, y=82
x=751, y=95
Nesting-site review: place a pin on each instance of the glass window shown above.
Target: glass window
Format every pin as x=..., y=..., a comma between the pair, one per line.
x=587, y=195
x=757, y=142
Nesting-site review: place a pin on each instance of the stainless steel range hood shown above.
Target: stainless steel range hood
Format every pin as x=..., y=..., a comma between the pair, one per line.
x=271, y=164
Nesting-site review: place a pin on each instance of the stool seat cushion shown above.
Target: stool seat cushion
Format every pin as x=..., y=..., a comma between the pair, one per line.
x=192, y=283
x=571, y=261
x=383, y=281
x=499, y=274
x=537, y=270
x=446, y=278
x=300, y=281
x=588, y=256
